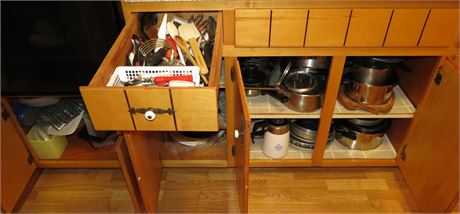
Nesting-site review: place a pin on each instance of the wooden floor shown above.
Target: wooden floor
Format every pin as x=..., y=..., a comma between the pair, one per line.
x=283, y=190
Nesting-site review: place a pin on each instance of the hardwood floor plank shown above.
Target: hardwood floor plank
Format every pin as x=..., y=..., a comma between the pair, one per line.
x=209, y=190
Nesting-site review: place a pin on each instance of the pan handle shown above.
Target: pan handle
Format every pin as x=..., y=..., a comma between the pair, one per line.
x=280, y=97
x=258, y=125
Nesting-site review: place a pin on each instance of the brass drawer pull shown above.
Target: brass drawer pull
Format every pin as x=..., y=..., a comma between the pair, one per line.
x=150, y=113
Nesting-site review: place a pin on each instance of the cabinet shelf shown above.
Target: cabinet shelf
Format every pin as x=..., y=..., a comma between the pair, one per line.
x=402, y=108
x=338, y=151
x=267, y=107
x=80, y=154
x=333, y=151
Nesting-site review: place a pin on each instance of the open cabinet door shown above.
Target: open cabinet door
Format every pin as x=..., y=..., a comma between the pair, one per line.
x=17, y=164
x=429, y=159
x=242, y=140
x=141, y=165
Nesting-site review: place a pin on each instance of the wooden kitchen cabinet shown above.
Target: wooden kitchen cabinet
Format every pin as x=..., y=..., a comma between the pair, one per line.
x=18, y=165
x=254, y=28
x=429, y=159
x=345, y=30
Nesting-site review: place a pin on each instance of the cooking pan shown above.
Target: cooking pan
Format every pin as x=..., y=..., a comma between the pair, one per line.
x=299, y=90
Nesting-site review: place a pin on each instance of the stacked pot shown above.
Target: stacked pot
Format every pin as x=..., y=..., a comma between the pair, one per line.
x=361, y=134
x=372, y=79
x=303, y=134
x=302, y=84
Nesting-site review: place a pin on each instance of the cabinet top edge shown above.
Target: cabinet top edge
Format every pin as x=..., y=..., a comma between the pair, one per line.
x=208, y=5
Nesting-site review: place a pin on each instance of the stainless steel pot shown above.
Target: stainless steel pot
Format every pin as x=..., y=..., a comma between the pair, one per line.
x=360, y=137
x=301, y=91
x=372, y=76
x=307, y=129
x=369, y=94
x=303, y=134
x=315, y=62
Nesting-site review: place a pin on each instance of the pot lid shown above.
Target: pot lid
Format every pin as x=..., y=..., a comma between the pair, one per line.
x=278, y=122
x=309, y=125
x=381, y=127
x=377, y=62
x=285, y=72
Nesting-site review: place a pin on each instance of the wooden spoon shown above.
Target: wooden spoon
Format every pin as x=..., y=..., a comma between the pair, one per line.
x=184, y=47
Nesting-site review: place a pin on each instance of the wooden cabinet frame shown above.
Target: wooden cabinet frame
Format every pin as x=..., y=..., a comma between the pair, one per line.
x=143, y=180
x=237, y=116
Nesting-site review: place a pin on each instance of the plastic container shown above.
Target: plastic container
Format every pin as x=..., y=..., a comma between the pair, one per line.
x=51, y=148
x=127, y=73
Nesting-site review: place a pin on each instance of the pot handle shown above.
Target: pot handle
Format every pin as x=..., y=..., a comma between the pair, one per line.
x=280, y=97
x=344, y=131
x=258, y=125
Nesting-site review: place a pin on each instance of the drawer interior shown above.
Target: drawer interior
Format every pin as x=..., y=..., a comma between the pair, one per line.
x=118, y=54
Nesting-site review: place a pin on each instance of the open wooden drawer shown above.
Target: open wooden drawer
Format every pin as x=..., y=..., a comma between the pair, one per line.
x=194, y=108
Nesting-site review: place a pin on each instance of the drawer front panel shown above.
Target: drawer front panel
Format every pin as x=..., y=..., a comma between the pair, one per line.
x=195, y=109
x=151, y=98
x=107, y=108
x=288, y=28
x=252, y=28
x=327, y=27
x=406, y=27
x=441, y=28
x=368, y=27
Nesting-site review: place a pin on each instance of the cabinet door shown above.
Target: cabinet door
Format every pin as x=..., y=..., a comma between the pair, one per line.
x=129, y=175
x=242, y=140
x=17, y=167
x=430, y=162
x=144, y=165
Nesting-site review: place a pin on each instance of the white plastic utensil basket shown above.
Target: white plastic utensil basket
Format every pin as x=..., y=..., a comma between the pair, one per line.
x=128, y=73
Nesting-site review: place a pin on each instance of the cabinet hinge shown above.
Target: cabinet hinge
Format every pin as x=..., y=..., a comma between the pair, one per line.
x=232, y=74
x=233, y=151
x=5, y=114
x=403, y=153
x=438, y=78
x=30, y=158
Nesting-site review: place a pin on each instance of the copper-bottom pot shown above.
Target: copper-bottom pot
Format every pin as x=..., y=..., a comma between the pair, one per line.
x=302, y=102
x=369, y=94
x=361, y=137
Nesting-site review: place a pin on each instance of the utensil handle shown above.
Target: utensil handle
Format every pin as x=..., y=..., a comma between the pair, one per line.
x=198, y=56
x=159, y=80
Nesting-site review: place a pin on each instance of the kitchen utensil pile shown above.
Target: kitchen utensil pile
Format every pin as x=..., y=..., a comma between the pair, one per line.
x=175, y=41
x=60, y=114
